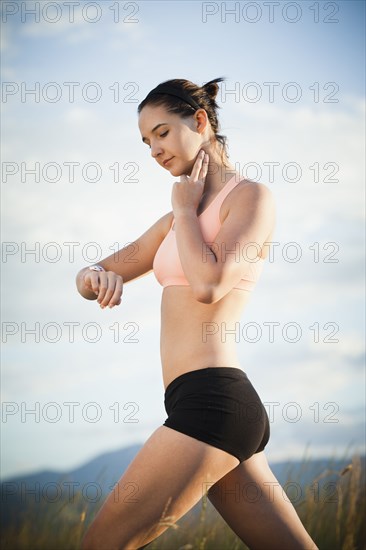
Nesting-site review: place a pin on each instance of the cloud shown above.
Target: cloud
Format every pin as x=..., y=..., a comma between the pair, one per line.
x=108, y=212
x=78, y=25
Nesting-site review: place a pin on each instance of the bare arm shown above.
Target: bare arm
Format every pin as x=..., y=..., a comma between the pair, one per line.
x=212, y=271
x=131, y=262
x=196, y=257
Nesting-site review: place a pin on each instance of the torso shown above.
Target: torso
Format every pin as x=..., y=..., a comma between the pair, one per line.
x=192, y=333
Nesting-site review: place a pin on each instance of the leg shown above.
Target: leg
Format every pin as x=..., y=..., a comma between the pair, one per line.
x=167, y=477
x=252, y=502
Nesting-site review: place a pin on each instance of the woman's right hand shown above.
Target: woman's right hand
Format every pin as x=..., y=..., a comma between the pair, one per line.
x=107, y=285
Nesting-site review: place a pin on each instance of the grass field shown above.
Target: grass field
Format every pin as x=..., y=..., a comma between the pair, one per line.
x=332, y=508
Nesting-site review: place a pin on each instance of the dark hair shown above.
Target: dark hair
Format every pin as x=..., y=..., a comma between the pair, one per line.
x=204, y=97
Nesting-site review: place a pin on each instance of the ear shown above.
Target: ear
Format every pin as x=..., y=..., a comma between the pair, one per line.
x=201, y=120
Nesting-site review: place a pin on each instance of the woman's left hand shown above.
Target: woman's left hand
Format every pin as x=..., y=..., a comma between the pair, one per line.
x=187, y=192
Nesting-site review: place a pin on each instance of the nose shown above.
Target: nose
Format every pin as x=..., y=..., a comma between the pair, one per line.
x=155, y=150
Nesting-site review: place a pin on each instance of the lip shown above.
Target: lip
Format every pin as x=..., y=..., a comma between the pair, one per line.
x=166, y=161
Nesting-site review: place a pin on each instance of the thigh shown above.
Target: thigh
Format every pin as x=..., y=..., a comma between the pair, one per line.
x=167, y=477
x=253, y=503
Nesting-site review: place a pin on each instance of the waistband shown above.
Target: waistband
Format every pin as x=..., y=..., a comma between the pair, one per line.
x=232, y=372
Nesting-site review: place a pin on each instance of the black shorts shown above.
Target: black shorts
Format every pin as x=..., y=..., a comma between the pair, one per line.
x=218, y=405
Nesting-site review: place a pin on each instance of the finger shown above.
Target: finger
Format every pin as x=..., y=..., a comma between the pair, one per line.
x=91, y=281
x=86, y=281
x=103, y=285
x=204, y=169
x=197, y=166
x=116, y=298
x=109, y=290
x=114, y=291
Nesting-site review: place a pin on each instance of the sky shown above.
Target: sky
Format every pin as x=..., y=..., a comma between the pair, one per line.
x=78, y=183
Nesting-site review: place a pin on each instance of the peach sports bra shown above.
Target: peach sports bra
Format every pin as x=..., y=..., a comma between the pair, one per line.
x=167, y=266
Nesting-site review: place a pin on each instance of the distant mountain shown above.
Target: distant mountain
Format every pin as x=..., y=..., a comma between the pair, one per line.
x=96, y=478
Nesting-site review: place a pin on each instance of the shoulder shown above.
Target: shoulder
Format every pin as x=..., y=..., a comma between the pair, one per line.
x=250, y=204
x=250, y=195
x=254, y=190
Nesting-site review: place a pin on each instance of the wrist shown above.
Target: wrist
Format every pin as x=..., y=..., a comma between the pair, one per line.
x=186, y=213
x=95, y=267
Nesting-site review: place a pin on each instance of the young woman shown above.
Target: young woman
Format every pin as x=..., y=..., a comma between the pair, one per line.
x=207, y=253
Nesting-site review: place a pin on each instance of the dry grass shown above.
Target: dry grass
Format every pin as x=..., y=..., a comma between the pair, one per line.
x=332, y=509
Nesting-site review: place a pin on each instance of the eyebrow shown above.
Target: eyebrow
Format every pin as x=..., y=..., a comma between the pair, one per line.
x=155, y=128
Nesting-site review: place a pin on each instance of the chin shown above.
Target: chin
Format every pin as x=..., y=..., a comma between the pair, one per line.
x=175, y=171
x=185, y=171
x=178, y=171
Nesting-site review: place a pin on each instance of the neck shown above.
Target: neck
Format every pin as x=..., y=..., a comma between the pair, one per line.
x=217, y=177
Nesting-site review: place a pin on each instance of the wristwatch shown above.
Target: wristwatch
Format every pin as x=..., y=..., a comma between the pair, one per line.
x=96, y=268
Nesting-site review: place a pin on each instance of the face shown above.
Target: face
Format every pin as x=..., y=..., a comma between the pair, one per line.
x=176, y=138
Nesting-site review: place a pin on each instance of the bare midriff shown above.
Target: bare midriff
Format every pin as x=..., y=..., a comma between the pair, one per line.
x=195, y=335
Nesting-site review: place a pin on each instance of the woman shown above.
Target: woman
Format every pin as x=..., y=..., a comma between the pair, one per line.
x=207, y=253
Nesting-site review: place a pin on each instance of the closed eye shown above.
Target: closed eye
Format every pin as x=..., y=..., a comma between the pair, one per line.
x=161, y=135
